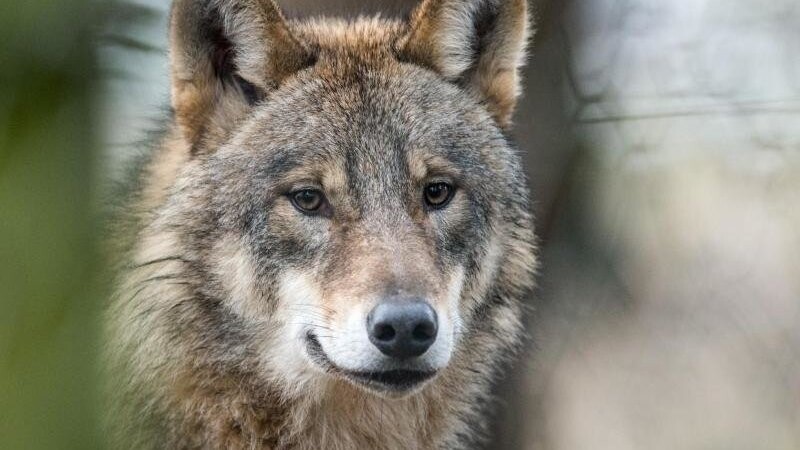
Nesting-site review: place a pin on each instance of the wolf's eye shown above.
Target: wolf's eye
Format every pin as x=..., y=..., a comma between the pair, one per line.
x=308, y=200
x=438, y=195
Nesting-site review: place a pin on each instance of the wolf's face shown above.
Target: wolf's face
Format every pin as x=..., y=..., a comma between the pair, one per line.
x=367, y=203
x=349, y=200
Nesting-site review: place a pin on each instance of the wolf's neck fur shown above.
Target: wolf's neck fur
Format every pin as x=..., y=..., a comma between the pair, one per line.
x=341, y=417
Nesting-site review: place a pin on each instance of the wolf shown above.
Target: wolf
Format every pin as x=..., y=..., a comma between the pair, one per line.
x=331, y=244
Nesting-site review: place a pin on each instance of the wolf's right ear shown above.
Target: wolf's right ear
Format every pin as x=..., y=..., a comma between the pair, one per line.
x=478, y=44
x=225, y=55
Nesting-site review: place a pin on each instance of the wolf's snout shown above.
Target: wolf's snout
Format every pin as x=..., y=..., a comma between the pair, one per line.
x=402, y=328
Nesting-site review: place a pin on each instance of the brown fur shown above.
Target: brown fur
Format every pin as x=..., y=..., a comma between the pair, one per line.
x=199, y=352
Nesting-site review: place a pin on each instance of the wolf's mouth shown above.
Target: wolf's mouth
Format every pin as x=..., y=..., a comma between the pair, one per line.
x=397, y=380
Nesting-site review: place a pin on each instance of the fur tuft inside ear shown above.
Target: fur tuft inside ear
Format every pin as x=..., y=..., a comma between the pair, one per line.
x=479, y=44
x=226, y=55
x=223, y=63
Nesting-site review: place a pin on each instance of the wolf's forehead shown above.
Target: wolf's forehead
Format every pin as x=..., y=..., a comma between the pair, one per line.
x=379, y=121
x=359, y=162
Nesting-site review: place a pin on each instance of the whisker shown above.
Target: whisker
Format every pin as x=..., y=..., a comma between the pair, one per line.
x=305, y=309
x=135, y=294
x=313, y=317
x=160, y=260
x=313, y=306
x=315, y=325
x=173, y=276
x=144, y=282
x=326, y=336
x=302, y=305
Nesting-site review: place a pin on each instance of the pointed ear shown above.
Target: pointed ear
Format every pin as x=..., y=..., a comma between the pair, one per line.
x=479, y=44
x=225, y=56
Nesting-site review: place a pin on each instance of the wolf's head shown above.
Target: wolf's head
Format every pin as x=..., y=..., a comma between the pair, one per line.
x=351, y=208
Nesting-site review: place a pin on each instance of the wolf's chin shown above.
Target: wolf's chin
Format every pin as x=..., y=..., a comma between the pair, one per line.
x=393, y=383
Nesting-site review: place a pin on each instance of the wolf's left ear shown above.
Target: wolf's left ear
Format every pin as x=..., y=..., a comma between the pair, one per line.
x=479, y=44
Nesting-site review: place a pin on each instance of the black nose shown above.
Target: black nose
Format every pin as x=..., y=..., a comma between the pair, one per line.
x=402, y=328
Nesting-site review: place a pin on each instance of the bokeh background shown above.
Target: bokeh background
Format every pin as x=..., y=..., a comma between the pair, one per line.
x=662, y=144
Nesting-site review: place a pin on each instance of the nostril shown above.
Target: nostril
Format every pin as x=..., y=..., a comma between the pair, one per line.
x=384, y=332
x=424, y=331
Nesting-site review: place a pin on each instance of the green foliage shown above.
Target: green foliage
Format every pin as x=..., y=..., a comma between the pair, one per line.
x=49, y=269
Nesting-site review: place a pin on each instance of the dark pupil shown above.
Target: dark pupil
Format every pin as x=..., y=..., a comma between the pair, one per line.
x=437, y=193
x=307, y=199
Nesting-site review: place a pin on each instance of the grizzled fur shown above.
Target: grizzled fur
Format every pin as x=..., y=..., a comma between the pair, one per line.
x=225, y=279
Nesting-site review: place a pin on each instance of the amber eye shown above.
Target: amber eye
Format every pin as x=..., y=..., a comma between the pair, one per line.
x=307, y=200
x=438, y=195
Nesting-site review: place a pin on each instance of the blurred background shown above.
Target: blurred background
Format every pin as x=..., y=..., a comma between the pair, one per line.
x=662, y=144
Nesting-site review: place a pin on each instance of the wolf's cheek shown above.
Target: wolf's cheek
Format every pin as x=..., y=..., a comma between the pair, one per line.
x=459, y=229
x=282, y=348
x=234, y=269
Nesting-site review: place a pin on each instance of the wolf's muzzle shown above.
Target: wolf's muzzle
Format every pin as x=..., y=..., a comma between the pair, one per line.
x=402, y=328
